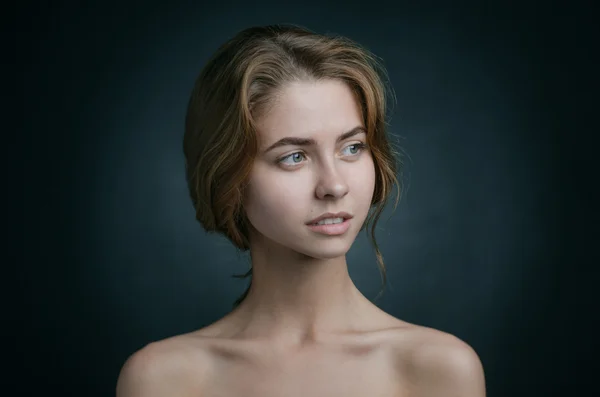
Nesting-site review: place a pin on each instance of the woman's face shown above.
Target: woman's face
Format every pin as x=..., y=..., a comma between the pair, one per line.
x=292, y=184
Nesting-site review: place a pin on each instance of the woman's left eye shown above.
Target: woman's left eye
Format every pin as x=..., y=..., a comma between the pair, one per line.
x=357, y=146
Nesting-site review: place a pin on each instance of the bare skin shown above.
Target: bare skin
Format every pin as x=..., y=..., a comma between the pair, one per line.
x=393, y=359
x=305, y=329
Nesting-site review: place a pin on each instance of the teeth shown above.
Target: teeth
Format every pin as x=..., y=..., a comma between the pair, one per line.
x=330, y=221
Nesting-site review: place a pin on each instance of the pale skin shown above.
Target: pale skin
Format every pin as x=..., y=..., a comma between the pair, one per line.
x=304, y=328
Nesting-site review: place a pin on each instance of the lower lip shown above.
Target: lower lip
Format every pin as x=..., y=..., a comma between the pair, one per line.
x=333, y=229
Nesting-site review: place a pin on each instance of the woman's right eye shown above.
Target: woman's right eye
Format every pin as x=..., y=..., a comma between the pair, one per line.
x=292, y=156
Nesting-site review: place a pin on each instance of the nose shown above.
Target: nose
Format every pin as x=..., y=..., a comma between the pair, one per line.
x=331, y=184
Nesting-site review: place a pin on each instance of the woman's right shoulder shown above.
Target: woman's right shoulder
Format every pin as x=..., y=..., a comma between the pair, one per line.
x=170, y=367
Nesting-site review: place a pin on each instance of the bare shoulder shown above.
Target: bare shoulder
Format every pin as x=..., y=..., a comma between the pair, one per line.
x=439, y=364
x=171, y=367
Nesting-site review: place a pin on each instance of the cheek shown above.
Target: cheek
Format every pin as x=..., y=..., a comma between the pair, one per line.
x=362, y=181
x=273, y=198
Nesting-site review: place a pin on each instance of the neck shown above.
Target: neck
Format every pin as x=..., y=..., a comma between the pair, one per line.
x=295, y=299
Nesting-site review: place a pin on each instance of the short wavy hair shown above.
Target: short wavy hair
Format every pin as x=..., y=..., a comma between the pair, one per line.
x=239, y=81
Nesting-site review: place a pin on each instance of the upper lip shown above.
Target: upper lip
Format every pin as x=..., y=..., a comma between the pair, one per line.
x=344, y=215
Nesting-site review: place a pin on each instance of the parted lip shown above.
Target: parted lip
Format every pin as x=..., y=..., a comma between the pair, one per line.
x=344, y=215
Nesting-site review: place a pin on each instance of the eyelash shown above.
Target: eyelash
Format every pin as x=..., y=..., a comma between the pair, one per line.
x=361, y=146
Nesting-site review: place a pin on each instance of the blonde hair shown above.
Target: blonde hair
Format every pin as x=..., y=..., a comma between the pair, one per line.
x=238, y=82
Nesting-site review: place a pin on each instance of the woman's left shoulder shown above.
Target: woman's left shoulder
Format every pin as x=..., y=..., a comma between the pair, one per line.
x=439, y=363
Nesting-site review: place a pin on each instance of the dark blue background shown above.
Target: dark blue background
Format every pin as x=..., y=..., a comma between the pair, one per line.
x=491, y=241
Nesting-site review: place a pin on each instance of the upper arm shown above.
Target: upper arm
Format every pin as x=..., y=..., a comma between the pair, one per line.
x=449, y=367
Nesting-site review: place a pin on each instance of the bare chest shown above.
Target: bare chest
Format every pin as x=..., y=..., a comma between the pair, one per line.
x=324, y=374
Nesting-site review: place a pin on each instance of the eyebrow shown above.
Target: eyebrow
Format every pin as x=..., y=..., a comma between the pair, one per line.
x=309, y=141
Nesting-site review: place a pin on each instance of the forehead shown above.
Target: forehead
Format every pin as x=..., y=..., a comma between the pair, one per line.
x=319, y=109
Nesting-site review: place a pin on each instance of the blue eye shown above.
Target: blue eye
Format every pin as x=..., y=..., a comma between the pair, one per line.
x=294, y=156
x=358, y=147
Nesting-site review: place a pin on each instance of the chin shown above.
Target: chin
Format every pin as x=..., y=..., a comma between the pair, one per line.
x=324, y=250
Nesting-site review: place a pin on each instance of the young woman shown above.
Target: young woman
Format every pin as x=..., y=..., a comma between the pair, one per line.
x=287, y=156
